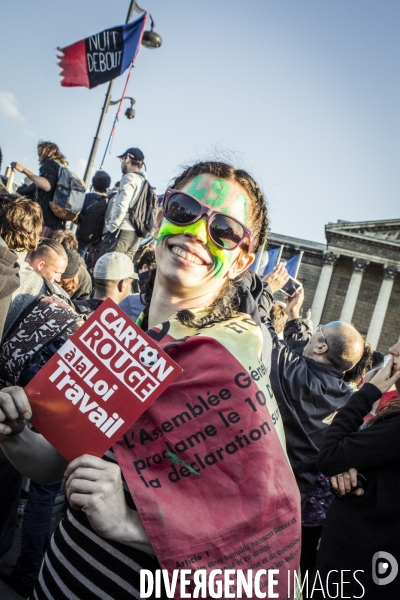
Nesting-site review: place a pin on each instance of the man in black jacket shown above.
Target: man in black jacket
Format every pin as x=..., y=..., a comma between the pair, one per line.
x=309, y=388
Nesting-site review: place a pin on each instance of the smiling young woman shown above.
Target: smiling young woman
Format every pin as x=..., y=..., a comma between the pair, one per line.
x=193, y=269
x=206, y=474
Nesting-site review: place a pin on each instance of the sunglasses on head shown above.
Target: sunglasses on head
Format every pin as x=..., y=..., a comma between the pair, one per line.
x=225, y=231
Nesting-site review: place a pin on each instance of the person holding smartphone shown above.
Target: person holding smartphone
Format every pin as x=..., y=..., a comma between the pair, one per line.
x=307, y=381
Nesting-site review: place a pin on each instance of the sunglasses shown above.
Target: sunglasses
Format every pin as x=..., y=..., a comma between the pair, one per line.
x=226, y=232
x=319, y=330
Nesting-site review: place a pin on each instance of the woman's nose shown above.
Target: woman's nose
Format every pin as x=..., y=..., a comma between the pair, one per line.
x=197, y=230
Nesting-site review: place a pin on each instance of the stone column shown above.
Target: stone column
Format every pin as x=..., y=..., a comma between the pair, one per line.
x=375, y=328
x=328, y=260
x=359, y=266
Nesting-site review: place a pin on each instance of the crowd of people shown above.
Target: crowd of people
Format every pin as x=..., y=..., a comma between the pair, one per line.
x=313, y=466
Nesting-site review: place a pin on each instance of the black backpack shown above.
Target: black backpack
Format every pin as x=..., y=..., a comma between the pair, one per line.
x=91, y=219
x=142, y=213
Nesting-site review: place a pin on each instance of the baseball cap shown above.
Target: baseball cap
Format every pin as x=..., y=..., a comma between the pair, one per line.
x=114, y=266
x=134, y=153
x=72, y=266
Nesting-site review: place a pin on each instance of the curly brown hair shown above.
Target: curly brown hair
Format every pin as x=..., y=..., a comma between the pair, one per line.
x=278, y=317
x=21, y=222
x=148, y=257
x=50, y=151
x=72, y=284
x=228, y=300
x=66, y=237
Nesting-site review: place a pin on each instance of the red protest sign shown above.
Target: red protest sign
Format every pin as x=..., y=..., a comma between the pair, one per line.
x=99, y=382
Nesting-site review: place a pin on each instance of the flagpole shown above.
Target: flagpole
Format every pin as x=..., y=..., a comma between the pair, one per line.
x=96, y=140
x=298, y=264
x=259, y=257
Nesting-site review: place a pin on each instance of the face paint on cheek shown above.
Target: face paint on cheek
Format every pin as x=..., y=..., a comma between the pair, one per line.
x=167, y=229
x=197, y=230
x=222, y=258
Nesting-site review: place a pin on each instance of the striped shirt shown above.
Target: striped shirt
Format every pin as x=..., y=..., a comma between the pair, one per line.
x=80, y=565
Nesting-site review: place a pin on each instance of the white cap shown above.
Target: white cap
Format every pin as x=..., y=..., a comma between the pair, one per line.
x=114, y=266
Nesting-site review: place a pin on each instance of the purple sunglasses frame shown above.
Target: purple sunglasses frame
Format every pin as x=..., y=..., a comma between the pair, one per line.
x=206, y=210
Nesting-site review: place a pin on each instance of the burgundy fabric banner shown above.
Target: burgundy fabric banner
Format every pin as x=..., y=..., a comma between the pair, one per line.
x=205, y=464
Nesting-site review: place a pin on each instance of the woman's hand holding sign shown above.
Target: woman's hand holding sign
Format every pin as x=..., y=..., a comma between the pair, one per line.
x=95, y=486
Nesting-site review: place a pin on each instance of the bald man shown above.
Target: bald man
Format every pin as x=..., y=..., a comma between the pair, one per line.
x=309, y=389
x=343, y=350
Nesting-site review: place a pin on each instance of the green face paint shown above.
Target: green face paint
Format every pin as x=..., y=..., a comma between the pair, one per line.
x=226, y=211
x=168, y=228
x=222, y=258
x=215, y=193
x=220, y=190
x=197, y=193
x=219, y=187
x=245, y=202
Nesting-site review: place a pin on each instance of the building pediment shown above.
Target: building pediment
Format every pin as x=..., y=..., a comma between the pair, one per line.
x=388, y=230
x=366, y=238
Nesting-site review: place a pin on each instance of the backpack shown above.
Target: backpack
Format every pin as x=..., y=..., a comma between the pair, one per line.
x=91, y=220
x=46, y=323
x=69, y=195
x=142, y=213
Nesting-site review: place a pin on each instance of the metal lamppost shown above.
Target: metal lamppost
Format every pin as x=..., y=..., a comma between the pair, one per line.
x=150, y=40
x=130, y=112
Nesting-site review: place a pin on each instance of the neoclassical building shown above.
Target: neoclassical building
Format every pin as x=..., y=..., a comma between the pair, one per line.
x=353, y=278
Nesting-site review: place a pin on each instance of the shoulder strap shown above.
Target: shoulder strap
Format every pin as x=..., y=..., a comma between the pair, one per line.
x=139, y=192
x=50, y=288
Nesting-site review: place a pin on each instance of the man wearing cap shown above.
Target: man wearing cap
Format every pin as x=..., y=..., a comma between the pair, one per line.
x=120, y=235
x=113, y=276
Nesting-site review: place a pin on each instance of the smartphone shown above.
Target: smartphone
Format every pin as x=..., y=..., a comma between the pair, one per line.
x=291, y=287
x=361, y=483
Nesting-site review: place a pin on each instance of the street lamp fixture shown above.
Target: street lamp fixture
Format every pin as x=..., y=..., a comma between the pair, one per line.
x=151, y=39
x=130, y=112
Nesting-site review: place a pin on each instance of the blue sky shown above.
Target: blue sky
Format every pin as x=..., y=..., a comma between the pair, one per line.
x=302, y=93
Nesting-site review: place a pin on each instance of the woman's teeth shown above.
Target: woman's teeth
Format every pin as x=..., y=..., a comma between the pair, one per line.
x=187, y=255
